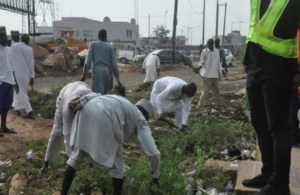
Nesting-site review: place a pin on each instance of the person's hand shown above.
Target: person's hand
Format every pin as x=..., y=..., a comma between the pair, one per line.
x=196, y=70
x=31, y=82
x=82, y=79
x=16, y=86
x=75, y=106
x=160, y=117
x=224, y=73
x=183, y=127
x=297, y=80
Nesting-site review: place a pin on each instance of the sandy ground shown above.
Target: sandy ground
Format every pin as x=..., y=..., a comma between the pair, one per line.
x=32, y=129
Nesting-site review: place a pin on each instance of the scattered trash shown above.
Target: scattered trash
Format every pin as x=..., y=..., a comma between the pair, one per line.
x=229, y=187
x=213, y=192
x=39, y=116
x=179, y=151
x=2, y=185
x=234, y=152
x=5, y=163
x=234, y=166
x=192, y=173
x=29, y=154
x=189, y=149
x=63, y=152
x=3, y=176
x=246, y=154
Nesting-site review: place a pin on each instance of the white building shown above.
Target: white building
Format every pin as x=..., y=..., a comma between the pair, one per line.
x=87, y=29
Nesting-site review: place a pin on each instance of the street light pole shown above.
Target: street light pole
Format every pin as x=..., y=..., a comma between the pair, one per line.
x=224, y=24
x=174, y=30
x=203, y=30
x=217, y=19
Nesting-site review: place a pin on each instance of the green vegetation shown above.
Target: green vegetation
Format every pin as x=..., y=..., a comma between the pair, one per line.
x=245, y=102
x=209, y=135
x=45, y=103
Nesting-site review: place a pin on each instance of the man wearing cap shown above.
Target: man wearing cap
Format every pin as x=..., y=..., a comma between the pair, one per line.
x=63, y=119
x=104, y=61
x=173, y=94
x=7, y=80
x=99, y=130
x=24, y=69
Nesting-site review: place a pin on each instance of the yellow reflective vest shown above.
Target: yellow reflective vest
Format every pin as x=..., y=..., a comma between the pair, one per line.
x=261, y=30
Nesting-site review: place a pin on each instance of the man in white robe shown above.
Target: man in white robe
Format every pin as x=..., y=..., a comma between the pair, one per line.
x=64, y=119
x=152, y=65
x=99, y=130
x=7, y=81
x=24, y=70
x=173, y=94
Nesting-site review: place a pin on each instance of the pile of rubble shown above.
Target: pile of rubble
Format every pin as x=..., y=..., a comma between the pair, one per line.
x=62, y=59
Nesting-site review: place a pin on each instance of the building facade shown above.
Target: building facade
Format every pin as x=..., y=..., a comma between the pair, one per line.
x=87, y=29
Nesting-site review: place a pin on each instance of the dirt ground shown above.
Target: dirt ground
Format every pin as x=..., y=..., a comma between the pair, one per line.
x=29, y=129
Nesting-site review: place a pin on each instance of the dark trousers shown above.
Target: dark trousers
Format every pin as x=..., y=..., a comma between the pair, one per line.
x=294, y=121
x=269, y=96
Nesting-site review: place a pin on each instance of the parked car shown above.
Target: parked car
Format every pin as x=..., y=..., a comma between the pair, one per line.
x=137, y=57
x=125, y=56
x=229, y=57
x=165, y=56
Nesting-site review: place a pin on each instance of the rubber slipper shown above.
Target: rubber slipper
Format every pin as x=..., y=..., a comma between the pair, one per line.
x=29, y=116
x=9, y=131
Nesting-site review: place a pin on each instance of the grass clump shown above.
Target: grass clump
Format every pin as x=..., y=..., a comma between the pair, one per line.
x=45, y=103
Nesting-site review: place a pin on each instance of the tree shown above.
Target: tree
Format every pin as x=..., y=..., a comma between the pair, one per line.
x=161, y=32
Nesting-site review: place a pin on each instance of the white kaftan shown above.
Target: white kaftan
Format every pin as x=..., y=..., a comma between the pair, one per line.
x=151, y=63
x=6, y=66
x=64, y=118
x=24, y=71
x=167, y=96
x=102, y=126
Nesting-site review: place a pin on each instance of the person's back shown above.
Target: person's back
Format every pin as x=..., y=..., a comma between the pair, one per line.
x=22, y=56
x=101, y=53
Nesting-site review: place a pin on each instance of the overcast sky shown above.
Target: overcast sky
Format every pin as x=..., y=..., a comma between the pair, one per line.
x=161, y=11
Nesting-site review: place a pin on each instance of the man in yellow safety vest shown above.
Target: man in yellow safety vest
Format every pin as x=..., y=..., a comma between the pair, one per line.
x=272, y=72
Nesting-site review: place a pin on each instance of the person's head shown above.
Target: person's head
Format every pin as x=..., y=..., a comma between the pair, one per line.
x=189, y=89
x=3, y=36
x=25, y=39
x=210, y=44
x=146, y=108
x=217, y=43
x=201, y=45
x=102, y=35
x=15, y=36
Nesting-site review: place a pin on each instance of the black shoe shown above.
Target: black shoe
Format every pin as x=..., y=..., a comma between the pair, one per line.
x=275, y=190
x=259, y=181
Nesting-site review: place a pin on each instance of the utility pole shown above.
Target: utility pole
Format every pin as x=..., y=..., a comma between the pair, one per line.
x=137, y=11
x=217, y=20
x=224, y=23
x=149, y=26
x=174, y=30
x=203, y=30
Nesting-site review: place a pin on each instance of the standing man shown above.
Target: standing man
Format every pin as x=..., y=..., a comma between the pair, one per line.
x=210, y=69
x=7, y=81
x=24, y=69
x=152, y=65
x=104, y=61
x=173, y=94
x=222, y=54
x=201, y=49
x=271, y=65
x=99, y=130
x=64, y=119
x=15, y=36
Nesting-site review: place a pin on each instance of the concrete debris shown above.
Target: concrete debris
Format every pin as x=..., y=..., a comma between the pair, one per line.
x=18, y=183
x=38, y=51
x=55, y=61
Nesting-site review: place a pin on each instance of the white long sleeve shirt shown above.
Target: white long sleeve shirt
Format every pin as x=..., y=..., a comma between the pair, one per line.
x=170, y=96
x=210, y=61
x=23, y=59
x=6, y=66
x=104, y=123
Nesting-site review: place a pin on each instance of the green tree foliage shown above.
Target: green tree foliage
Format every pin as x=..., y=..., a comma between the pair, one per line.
x=161, y=32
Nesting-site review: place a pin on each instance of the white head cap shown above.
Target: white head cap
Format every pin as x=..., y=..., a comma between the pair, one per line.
x=147, y=106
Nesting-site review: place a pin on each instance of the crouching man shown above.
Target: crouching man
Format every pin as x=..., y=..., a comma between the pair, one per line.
x=99, y=130
x=173, y=94
x=64, y=119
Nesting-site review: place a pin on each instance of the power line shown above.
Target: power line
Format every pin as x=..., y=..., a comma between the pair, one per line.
x=193, y=8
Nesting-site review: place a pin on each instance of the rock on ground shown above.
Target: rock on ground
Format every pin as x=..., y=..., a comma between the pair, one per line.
x=70, y=56
x=55, y=61
x=38, y=51
x=18, y=183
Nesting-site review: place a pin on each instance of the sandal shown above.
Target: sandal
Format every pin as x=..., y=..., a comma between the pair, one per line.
x=7, y=130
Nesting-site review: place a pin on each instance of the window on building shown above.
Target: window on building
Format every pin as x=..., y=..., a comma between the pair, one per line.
x=129, y=34
x=77, y=33
x=88, y=33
